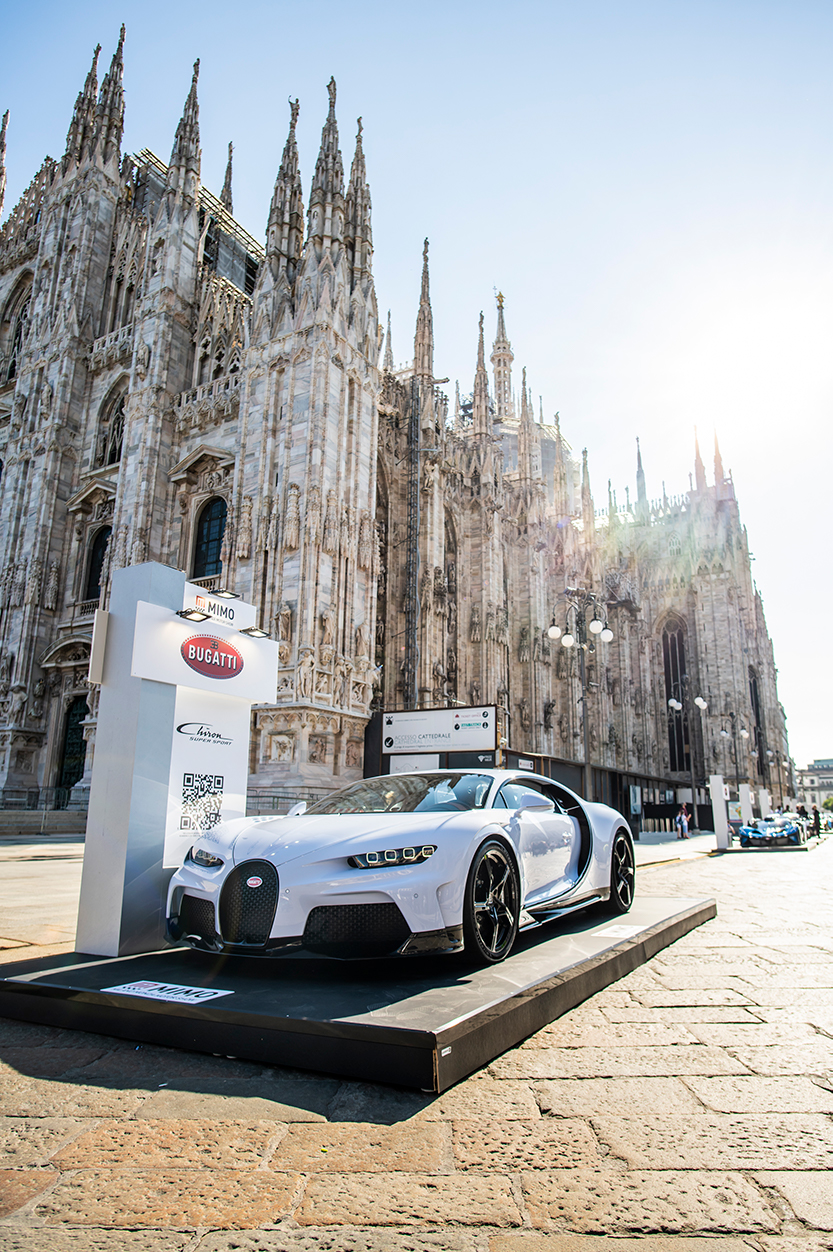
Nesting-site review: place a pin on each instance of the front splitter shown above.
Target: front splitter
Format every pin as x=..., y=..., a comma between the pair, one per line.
x=417, y=1022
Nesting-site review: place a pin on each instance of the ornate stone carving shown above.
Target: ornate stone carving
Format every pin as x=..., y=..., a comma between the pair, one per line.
x=33, y=581
x=313, y=514
x=362, y=641
x=439, y=591
x=292, y=519
x=475, y=630
x=317, y=750
x=526, y=717
x=328, y=625
x=490, y=623
x=426, y=591
x=365, y=554
x=306, y=668
x=244, y=530
x=19, y=585
x=354, y=754
x=523, y=645
x=329, y=541
x=283, y=622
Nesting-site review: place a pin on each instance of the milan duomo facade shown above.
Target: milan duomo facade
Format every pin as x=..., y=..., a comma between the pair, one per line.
x=172, y=391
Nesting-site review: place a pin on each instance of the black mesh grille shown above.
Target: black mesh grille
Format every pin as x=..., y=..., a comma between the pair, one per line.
x=196, y=917
x=355, y=930
x=247, y=912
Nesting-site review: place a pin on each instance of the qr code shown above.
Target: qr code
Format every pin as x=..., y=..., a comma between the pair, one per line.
x=202, y=799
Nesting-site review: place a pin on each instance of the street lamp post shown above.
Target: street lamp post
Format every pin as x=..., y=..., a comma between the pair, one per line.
x=678, y=704
x=578, y=602
x=744, y=734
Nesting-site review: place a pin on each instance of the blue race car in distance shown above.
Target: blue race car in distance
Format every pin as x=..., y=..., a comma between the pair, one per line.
x=776, y=830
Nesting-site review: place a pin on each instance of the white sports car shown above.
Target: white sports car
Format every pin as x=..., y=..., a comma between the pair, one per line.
x=404, y=864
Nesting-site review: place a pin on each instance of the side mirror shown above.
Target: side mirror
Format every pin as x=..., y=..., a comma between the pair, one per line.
x=298, y=809
x=536, y=804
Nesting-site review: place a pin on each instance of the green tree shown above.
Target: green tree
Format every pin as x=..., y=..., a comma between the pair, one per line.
x=828, y=804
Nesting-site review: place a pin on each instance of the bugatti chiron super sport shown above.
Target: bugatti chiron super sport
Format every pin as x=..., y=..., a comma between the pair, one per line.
x=404, y=864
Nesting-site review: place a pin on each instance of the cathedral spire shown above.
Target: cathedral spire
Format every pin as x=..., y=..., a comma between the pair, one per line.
x=184, y=168
x=225, y=194
x=641, y=493
x=284, y=233
x=82, y=127
x=719, y=475
x=480, y=398
x=612, y=508
x=424, y=337
x=110, y=112
x=699, y=467
x=588, y=514
x=561, y=492
x=387, y=364
x=359, y=237
x=502, y=359
x=3, y=126
x=326, y=202
x=529, y=459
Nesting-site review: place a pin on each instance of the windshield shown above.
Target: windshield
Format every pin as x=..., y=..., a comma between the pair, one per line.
x=409, y=793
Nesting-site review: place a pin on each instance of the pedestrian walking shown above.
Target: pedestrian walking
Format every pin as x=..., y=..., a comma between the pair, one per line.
x=816, y=820
x=681, y=822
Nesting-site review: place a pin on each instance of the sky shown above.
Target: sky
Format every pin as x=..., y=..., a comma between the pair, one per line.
x=649, y=183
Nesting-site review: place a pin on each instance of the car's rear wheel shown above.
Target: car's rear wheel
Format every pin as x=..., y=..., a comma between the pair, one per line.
x=491, y=910
x=622, y=874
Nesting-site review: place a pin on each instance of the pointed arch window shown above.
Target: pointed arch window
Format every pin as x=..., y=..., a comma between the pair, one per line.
x=98, y=551
x=211, y=527
x=13, y=330
x=674, y=665
x=111, y=427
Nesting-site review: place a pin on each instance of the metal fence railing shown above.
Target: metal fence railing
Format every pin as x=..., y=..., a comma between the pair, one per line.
x=259, y=803
x=35, y=798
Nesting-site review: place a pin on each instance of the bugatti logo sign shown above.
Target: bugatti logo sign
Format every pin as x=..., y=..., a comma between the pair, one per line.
x=211, y=657
x=254, y=882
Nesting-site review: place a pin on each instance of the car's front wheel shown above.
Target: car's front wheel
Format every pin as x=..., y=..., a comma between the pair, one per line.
x=622, y=874
x=492, y=904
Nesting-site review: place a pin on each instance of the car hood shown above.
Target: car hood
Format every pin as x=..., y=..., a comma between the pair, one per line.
x=286, y=839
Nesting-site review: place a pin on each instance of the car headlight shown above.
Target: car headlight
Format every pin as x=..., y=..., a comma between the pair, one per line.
x=198, y=856
x=392, y=856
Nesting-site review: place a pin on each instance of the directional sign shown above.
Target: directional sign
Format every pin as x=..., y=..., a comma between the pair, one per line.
x=441, y=730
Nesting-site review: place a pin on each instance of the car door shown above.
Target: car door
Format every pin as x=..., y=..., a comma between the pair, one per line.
x=547, y=842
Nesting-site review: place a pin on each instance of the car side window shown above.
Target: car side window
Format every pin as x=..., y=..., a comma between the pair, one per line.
x=512, y=793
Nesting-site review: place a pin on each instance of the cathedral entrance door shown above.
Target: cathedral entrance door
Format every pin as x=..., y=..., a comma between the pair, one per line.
x=73, y=752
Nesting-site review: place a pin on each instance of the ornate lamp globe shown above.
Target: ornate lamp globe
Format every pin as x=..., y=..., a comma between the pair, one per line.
x=596, y=626
x=554, y=631
x=606, y=634
x=567, y=640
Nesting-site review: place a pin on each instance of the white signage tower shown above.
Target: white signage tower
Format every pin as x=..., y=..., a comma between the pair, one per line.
x=172, y=745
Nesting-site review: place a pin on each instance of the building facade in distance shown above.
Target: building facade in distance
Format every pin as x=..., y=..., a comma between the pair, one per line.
x=172, y=390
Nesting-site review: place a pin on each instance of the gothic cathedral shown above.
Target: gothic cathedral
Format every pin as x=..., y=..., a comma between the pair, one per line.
x=172, y=390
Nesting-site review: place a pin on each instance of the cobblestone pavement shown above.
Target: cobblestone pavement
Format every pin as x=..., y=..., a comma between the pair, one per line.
x=689, y=1106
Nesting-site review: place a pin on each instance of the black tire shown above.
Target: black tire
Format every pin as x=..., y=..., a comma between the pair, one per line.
x=622, y=874
x=492, y=904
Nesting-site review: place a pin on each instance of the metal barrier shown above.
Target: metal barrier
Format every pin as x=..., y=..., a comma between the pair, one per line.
x=35, y=798
x=263, y=802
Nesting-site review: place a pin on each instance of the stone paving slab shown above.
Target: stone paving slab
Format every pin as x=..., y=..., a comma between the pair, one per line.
x=170, y=1197
x=753, y=1141
x=596, y=1202
x=43, y=1239
x=154, y=1144
x=506, y=1146
x=528, y=1242
x=290, y=1238
x=810, y=1195
x=761, y=1095
x=661, y=1060
x=31, y=1141
x=616, y=1097
x=352, y=1148
x=418, y=1199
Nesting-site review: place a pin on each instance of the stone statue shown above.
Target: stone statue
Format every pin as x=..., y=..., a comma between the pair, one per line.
x=474, y=632
x=328, y=622
x=284, y=620
x=362, y=640
x=305, y=676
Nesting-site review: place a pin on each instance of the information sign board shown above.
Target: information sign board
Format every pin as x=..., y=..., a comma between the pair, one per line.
x=440, y=730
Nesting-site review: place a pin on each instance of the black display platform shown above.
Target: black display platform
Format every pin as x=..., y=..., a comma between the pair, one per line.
x=416, y=1022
